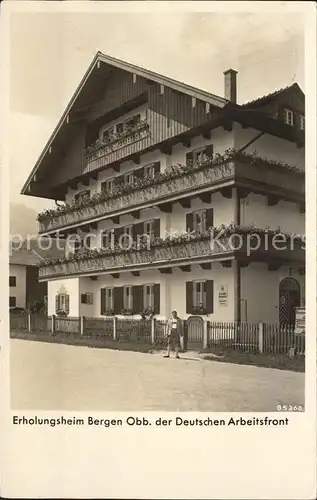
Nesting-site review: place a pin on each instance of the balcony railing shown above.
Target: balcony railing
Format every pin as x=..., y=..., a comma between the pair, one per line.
x=178, y=182
x=218, y=244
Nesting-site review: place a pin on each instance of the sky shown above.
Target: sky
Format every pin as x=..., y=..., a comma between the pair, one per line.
x=50, y=52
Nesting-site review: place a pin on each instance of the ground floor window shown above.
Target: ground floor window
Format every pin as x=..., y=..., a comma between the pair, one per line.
x=62, y=303
x=127, y=298
x=148, y=296
x=199, y=297
x=12, y=301
x=87, y=298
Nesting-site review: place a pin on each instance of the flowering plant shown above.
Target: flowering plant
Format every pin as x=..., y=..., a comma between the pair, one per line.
x=174, y=172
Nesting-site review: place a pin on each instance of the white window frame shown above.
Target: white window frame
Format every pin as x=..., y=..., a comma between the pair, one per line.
x=127, y=297
x=128, y=178
x=109, y=184
x=289, y=117
x=110, y=234
x=199, y=154
x=199, y=226
x=82, y=195
x=149, y=170
x=302, y=121
x=199, y=297
x=149, y=227
x=62, y=301
x=109, y=298
x=148, y=298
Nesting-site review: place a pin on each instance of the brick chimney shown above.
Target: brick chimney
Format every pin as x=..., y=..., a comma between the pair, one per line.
x=231, y=85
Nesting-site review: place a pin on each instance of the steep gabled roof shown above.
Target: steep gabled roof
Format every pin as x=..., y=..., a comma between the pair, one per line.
x=144, y=73
x=266, y=98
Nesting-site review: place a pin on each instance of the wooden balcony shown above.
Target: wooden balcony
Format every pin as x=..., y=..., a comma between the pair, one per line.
x=262, y=176
x=184, y=252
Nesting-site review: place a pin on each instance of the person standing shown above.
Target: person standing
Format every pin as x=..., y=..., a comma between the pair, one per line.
x=174, y=333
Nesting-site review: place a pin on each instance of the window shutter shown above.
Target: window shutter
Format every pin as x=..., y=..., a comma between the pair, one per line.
x=189, y=297
x=57, y=303
x=137, y=297
x=102, y=300
x=118, y=299
x=189, y=157
x=210, y=151
x=157, y=298
x=209, y=218
x=67, y=304
x=157, y=167
x=157, y=228
x=210, y=296
x=189, y=222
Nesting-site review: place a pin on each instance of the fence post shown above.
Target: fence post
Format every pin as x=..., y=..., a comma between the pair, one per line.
x=261, y=338
x=153, y=331
x=114, y=328
x=29, y=322
x=53, y=323
x=82, y=325
x=205, y=335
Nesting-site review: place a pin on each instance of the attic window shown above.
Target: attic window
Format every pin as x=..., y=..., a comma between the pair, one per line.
x=302, y=122
x=289, y=117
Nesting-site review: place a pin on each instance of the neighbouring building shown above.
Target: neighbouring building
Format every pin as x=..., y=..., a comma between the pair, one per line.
x=25, y=289
x=144, y=169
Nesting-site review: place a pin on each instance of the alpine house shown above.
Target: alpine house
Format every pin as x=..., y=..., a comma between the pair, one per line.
x=170, y=197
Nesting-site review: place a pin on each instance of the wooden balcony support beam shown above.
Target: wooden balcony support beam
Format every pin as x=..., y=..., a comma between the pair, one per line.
x=185, y=203
x=186, y=142
x=185, y=269
x=94, y=278
x=115, y=275
x=136, y=214
x=226, y=263
x=115, y=219
x=165, y=270
x=205, y=197
x=206, y=265
x=167, y=208
x=272, y=200
x=116, y=167
x=226, y=192
x=93, y=226
x=166, y=149
x=135, y=273
x=136, y=159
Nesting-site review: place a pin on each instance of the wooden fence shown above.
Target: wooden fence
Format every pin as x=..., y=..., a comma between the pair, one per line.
x=259, y=337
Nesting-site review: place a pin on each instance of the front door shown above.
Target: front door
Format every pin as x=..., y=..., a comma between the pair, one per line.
x=289, y=299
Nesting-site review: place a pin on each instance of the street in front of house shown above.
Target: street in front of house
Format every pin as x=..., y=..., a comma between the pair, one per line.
x=59, y=377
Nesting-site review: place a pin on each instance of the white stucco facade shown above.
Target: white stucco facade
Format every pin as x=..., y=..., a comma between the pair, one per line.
x=19, y=290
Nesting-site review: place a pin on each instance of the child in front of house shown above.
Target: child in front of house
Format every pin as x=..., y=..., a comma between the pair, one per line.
x=174, y=333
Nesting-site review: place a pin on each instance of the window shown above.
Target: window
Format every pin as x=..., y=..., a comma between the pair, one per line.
x=12, y=301
x=199, y=221
x=128, y=231
x=127, y=298
x=199, y=155
x=132, y=122
x=106, y=135
x=87, y=298
x=149, y=170
x=12, y=281
x=149, y=227
x=148, y=296
x=109, y=299
x=119, y=128
x=62, y=303
x=107, y=238
x=82, y=195
x=107, y=186
x=289, y=117
x=128, y=179
x=302, y=122
x=199, y=294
